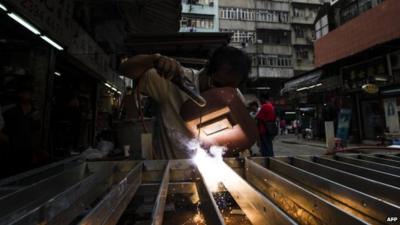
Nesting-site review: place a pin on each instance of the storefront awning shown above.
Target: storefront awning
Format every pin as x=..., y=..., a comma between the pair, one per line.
x=303, y=82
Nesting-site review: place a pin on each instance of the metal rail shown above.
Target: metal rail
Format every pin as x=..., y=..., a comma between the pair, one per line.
x=359, y=201
x=299, y=203
x=372, y=174
x=368, y=164
x=339, y=189
x=383, y=191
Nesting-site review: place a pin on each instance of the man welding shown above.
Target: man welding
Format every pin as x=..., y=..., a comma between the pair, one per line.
x=227, y=67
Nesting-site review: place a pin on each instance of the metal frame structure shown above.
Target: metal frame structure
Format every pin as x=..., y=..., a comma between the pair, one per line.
x=309, y=190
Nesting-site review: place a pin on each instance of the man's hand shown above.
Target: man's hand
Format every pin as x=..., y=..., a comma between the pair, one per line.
x=168, y=67
x=136, y=66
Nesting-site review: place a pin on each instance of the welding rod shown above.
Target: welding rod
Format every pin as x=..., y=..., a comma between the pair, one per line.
x=190, y=89
x=183, y=83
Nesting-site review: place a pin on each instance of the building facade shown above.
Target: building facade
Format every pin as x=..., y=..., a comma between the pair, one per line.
x=277, y=34
x=199, y=16
x=357, y=55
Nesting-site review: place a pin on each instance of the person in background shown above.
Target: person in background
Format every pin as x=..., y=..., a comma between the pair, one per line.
x=129, y=110
x=266, y=114
x=253, y=109
x=282, y=126
x=227, y=67
x=20, y=123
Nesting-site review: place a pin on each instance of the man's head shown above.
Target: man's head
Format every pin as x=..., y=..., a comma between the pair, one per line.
x=265, y=97
x=25, y=89
x=228, y=67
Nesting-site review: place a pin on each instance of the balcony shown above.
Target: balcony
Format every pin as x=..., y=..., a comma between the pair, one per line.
x=271, y=72
x=371, y=28
x=308, y=20
x=210, y=9
x=313, y=2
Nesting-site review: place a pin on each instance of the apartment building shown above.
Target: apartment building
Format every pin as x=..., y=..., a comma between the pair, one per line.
x=199, y=16
x=277, y=34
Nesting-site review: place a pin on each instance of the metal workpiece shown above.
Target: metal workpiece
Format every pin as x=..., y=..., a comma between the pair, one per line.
x=383, y=191
x=301, y=204
x=389, y=156
x=380, y=160
x=258, y=208
x=310, y=190
x=372, y=174
x=348, y=198
x=210, y=208
x=158, y=211
x=368, y=164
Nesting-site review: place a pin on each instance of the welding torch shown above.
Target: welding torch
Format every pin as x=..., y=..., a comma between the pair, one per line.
x=187, y=86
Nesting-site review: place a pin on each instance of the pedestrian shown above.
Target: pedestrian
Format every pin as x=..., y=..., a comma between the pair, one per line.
x=253, y=109
x=282, y=125
x=266, y=120
x=20, y=123
x=227, y=67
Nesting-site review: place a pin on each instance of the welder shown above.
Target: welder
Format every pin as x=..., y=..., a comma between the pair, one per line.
x=227, y=67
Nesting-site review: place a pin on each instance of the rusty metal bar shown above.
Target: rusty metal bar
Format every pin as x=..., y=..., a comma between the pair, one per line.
x=372, y=165
x=158, y=211
x=111, y=207
x=367, y=204
x=299, y=203
x=386, y=192
x=379, y=160
x=209, y=207
x=383, y=177
x=256, y=206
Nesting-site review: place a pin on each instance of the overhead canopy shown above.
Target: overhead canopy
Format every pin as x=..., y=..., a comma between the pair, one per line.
x=304, y=82
x=196, y=45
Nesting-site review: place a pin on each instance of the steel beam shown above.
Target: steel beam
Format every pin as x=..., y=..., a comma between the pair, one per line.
x=69, y=203
x=380, y=190
x=33, y=176
x=21, y=202
x=367, y=204
x=372, y=165
x=111, y=207
x=383, y=177
x=208, y=206
x=299, y=203
x=256, y=206
x=387, y=156
x=379, y=160
x=158, y=211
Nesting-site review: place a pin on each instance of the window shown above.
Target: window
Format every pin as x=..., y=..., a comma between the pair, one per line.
x=197, y=22
x=302, y=53
x=273, y=60
x=262, y=15
x=299, y=32
x=269, y=36
x=321, y=27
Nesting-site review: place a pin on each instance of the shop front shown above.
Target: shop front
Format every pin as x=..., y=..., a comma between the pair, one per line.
x=361, y=84
x=63, y=68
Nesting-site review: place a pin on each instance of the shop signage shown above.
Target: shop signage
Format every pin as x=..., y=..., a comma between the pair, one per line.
x=343, y=124
x=374, y=71
x=370, y=88
x=391, y=114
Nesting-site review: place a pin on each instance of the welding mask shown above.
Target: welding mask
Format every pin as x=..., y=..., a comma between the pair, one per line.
x=224, y=121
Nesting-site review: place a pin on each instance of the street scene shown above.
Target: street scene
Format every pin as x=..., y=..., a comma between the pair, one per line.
x=199, y=112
